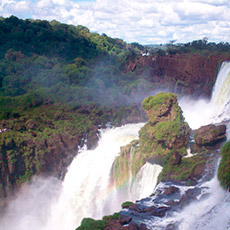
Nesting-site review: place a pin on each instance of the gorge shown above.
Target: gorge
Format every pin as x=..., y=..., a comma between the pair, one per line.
x=48, y=203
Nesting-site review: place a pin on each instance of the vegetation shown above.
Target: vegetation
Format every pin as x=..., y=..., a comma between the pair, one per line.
x=63, y=62
x=184, y=172
x=200, y=47
x=126, y=204
x=224, y=167
x=89, y=223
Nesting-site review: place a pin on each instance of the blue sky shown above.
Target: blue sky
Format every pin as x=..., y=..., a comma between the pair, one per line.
x=143, y=21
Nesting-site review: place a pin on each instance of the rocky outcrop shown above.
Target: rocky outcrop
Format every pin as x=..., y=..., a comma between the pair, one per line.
x=163, y=138
x=186, y=74
x=210, y=135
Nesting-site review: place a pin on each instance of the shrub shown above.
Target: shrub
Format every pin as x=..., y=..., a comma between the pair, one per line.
x=224, y=167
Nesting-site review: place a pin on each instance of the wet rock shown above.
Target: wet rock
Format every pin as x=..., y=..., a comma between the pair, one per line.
x=172, y=203
x=116, y=225
x=210, y=135
x=131, y=226
x=171, y=190
x=160, y=211
x=190, y=195
x=125, y=220
x=134, y=207
x=92, y=139
x=171, y=227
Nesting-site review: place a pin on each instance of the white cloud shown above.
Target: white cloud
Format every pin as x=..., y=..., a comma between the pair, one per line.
x=144, y=21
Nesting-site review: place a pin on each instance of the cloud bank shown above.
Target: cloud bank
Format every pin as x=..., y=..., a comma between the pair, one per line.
x=143, y=21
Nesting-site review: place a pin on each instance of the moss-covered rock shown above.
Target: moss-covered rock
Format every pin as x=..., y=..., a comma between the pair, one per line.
x=210, y=135
x=90, y=224
x=224, y=167
x=165, y=133
x=126, y=204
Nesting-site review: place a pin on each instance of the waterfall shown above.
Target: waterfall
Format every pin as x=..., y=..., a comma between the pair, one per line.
x=202, y=111
x=221, y=90
x=86, y=187
x=145, y=181
x=86, y=190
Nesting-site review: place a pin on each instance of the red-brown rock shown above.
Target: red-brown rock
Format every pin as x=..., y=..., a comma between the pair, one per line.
x=210, y=135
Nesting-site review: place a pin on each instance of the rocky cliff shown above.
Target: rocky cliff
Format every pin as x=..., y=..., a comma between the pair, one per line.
x=186, y=74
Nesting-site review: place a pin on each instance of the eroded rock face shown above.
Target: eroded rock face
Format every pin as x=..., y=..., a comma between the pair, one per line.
x=163, y=137
x=187, y=74
x=210, y=135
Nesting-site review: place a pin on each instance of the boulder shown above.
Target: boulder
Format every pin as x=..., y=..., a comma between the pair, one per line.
x=171, y=190
x=210, y=135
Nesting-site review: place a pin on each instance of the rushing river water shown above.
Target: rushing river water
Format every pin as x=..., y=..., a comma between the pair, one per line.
x=86, y=191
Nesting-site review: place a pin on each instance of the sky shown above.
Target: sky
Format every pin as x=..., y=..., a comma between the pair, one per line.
x=142, y=21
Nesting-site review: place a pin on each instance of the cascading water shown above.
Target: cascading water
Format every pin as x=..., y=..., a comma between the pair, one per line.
x=214, y=211
x=86, y=190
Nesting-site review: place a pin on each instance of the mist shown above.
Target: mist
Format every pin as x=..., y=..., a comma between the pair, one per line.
x=31, y=208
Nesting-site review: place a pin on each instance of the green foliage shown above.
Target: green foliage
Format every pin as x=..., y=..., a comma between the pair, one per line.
x=91, y=224
x=154, y=102
x=182, y=172
x=126, y=204
x=224, y=167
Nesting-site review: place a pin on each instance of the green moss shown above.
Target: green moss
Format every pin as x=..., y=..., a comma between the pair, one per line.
x=126, y=204
x=154, y=102
x=91, y=224
x=183, y=171
x=224, y=167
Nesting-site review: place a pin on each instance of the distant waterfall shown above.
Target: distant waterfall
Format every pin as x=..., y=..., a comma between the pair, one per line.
x=221, y=93
x=202, y=111
x=221, y=90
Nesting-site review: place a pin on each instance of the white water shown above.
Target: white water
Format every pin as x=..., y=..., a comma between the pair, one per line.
x=85, y=191
x=86, y=188
x=145, y=181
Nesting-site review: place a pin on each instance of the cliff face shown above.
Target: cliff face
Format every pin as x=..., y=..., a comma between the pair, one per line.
x=186, y=74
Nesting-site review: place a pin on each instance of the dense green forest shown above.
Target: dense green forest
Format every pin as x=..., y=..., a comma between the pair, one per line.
x=65, y=63
x=42, y=60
